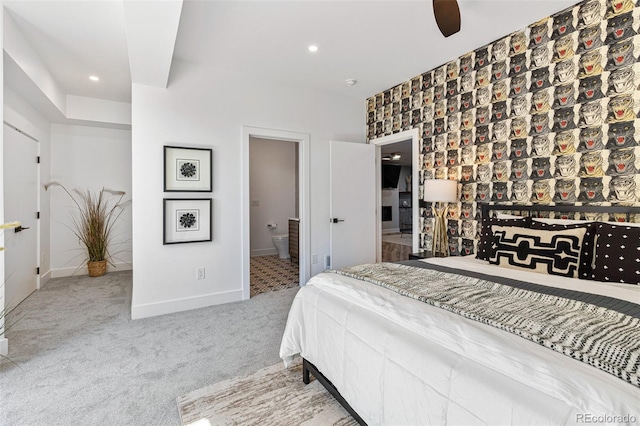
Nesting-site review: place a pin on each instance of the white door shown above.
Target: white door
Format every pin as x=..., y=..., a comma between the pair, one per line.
x=353, y=204
x=21, y=204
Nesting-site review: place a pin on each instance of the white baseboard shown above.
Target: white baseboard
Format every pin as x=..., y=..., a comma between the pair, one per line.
x=186, y=304
x=82, y=270
x=44, y=279
x=263, y=252
x=4, y=346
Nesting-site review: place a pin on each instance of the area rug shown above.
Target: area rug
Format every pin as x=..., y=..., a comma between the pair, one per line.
x=271, y=396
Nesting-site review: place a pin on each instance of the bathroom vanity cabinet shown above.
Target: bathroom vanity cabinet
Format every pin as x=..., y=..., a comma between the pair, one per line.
x=294, y=232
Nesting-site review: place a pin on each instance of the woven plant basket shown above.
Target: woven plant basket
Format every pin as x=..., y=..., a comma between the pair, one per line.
x=97, y=269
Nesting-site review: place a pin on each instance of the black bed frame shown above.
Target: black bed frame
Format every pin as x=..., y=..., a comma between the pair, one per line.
x=486, y=208
x=559, y=208
x=308, y=368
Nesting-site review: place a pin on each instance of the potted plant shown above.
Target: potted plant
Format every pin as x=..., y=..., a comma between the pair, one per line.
x=93, y=223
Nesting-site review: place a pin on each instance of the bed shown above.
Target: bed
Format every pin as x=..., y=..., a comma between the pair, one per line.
x=394, y=359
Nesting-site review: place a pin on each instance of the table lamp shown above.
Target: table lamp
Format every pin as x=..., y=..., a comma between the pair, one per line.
x=440, y=193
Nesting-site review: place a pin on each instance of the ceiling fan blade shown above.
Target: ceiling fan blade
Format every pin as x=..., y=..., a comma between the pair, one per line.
x=447, y=15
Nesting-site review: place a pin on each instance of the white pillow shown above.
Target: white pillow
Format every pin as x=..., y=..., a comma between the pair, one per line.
x=572, y=221
x=559, y=221
x=543, y=219
x=563, y=221
x=507, y=216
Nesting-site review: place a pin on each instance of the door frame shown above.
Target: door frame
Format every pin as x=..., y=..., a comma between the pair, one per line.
x=414, y=135
x=302, y=139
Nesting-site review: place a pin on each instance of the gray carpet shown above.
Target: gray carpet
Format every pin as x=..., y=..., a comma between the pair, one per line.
x=83, y=361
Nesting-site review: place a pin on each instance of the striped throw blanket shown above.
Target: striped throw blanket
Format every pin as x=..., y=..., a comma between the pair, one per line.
x=599, y=336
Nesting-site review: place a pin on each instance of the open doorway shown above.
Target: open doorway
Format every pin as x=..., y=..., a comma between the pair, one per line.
x=302, y=205
x=400, y=198
x=396, y=201
x=274, y=215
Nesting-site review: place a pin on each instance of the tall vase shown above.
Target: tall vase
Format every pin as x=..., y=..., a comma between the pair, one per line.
x=97, y=269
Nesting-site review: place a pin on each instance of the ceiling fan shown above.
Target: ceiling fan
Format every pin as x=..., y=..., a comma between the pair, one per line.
x=447, y=15
x=394, y=156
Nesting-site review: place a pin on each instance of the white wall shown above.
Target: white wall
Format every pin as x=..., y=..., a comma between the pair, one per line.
x=207, y=107
x=20, y=114
x=90, y=158
x=272, y=186
x=402, y=179
x=4, y=344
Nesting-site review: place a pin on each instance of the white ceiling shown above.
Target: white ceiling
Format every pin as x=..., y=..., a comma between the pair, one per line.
x=76, y=39
x=404, y=148
x=379, y=43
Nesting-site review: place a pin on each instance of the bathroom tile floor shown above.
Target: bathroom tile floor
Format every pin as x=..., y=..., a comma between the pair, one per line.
x=270, y=273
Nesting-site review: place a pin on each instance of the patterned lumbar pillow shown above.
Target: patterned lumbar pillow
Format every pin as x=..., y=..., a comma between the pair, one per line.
x=547, y=252
x=586, y=257
x=486, y=236
x=617, y=254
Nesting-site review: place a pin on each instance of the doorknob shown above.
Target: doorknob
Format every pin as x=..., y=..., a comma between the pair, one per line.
x=20, y=228
x=335, y=220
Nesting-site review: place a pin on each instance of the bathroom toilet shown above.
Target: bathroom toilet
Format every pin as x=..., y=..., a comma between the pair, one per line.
x=282, y=245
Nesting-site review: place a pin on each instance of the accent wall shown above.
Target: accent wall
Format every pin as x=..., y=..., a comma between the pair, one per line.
x=547, y=114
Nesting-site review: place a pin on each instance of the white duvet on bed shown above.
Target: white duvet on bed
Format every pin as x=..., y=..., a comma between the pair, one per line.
x=399, y=361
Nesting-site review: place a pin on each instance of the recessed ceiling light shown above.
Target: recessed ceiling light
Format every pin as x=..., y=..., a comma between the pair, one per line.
x=313, y=48
x=94, y=78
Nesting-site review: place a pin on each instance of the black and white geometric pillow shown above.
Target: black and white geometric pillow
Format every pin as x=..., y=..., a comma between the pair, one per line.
x=546, y=252
x=617, y=254
x=586, y=258
x=486, y=234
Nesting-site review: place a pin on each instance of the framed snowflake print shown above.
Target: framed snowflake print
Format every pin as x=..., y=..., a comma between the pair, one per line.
x=187, y=169
x=186, y=220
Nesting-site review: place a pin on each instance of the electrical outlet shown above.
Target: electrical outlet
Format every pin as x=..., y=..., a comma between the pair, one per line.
x=255, y=203
x=314, y=258
x=200, y=274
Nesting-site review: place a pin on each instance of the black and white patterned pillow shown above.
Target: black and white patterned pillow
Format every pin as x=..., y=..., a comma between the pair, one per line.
x=586, y=258
x=617, y=254
x=486, y=235
x=547, y=252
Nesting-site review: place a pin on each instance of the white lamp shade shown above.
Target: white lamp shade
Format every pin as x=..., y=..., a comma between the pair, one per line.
x=441, y=190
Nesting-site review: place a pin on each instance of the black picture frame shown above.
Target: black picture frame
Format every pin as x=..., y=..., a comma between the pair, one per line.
x=187, y=220
x=187, y=169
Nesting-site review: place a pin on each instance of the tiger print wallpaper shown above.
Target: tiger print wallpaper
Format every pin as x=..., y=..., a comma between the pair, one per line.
x=545, y=115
